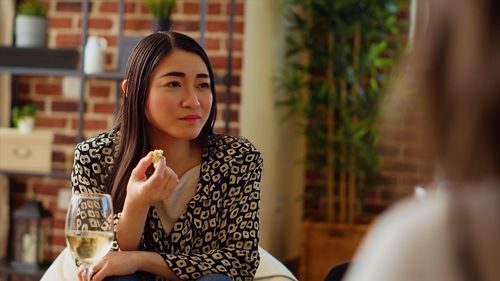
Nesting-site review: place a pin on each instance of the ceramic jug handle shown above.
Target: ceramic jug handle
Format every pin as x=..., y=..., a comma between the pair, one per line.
x=103, y=42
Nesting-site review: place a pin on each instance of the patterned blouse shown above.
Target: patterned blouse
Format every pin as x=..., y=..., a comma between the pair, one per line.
x=219, y=230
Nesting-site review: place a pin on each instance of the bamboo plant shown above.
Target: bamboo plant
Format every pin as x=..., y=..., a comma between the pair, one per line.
x=338, y=58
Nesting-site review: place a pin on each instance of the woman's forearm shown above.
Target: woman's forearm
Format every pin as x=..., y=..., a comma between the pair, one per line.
x=153, y=262
x=131, y=225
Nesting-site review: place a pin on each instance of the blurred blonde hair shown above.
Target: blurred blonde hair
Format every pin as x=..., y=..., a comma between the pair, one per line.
x=453, y=77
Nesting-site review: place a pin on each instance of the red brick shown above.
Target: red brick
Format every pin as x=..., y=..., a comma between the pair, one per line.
x=233, y=115
x=64, y=139
x=23, y=87
x=48, y=89
x=399, y=135
x=238, y=9
x=223, y=26
x=212, y=44
x=69, y=6
x=40, y=105
x=92, y=124
x=388, y=150
x=137, y=25
x=99, y=91
x=392, y=194
x=51, y=122
x=400, y=167
x=65, y=106
x=234, y=131
x=59, y=23
x=112, y=40
x=217, y=26
x=185, y=25
x=58, y=240
x=237, y=44
x=108, y=58
x=221, y=62
x=104, y=108
x=144, y=9
x=112, y=7
x=68, y=40
x=47, y=189
x=191, y=8
x=411, y=181
x=58, y=223
x=214, y=8
x=58, y=156
x=100, y=23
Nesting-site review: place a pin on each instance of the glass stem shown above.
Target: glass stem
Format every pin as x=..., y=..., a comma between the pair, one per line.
x=88, y=273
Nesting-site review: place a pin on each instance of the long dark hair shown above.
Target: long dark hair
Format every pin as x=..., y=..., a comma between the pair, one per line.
x=133, y=141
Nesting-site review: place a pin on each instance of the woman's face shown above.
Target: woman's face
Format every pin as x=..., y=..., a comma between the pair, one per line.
x=179, y=98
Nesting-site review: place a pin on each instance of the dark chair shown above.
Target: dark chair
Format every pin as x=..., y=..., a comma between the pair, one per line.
x=337, y=272
x=123, y=278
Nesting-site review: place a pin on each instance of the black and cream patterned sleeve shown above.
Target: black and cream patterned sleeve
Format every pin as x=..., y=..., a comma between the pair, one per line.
x=89, y=172
x=83, y=177
x=237, y=253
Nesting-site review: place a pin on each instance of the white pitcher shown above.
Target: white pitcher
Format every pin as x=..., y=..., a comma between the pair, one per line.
x=95, y=54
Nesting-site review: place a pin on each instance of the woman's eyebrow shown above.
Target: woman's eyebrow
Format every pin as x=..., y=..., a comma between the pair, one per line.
x=202, y=75
x=174, y=73
x=182, y=74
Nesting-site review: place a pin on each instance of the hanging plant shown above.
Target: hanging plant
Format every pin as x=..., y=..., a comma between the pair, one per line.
x=338, y=57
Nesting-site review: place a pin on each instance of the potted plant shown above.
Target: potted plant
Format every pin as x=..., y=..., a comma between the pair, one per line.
x=338, y=58
x=162, y=12
x=31, y=24
x=23, y=118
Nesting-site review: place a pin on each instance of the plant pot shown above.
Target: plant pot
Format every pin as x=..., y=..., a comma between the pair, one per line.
x=31, y=31
x=26, y=125
x=325, y=245
x=161, y=25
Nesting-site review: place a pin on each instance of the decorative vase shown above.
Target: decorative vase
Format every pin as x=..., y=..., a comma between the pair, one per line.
x=94, y=60
x=161, y=25
x=31, y=31
x=26, y=125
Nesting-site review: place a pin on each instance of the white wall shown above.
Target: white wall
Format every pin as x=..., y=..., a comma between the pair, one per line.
x=6, y=25
x=260, y=122
x=6, y=20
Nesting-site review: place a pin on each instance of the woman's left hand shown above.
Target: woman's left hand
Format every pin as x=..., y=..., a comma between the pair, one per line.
x=115, y=264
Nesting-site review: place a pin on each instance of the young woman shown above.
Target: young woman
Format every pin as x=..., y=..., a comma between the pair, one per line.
x=196, y=211
x=452, y=233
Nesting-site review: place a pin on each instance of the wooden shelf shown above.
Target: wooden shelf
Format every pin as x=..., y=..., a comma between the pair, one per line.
x=106, y=75
x=8, y=269
x=34, y=71
x=53, y=174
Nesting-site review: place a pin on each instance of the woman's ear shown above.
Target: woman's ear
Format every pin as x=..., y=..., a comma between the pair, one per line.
x=125, y=87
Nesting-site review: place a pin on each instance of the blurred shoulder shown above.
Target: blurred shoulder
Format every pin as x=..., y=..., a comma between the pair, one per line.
x=233, y=144
x=406, y=232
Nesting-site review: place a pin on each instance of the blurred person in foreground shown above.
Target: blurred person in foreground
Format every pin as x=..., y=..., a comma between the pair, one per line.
x=451, y=235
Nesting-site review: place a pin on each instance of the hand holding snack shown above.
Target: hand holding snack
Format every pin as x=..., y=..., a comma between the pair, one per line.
x=157, y=154
x=159, y=186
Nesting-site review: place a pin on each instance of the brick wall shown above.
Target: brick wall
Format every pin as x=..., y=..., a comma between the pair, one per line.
x=60, y=113
x=402, y=168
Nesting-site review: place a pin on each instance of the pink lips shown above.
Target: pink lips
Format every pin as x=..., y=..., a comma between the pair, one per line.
x=191, y=118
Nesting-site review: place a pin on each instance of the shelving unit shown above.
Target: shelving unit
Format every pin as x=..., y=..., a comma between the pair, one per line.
x=7, y=272
x=122, y=40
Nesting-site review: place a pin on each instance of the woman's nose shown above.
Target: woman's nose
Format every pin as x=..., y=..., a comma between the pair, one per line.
x=190, y=99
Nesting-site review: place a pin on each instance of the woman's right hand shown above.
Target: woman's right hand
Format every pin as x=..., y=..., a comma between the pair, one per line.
x=144, y=191
x=113, y=264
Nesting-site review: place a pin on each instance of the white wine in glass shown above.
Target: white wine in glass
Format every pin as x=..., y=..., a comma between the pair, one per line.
x=89, y=228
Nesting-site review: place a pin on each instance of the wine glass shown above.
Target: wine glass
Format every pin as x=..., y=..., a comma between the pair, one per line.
x=89, y=228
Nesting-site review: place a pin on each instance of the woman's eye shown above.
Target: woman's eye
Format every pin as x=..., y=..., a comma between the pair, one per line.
x=173, y=84
x=204, y=85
